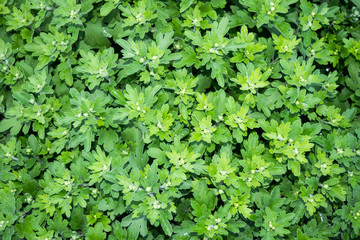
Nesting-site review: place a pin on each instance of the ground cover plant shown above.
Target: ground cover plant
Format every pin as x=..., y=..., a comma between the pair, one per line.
x=179, y=119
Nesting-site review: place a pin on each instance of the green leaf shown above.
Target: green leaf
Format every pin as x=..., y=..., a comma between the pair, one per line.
x=218, y=71
x=65, y=72
x=78, y=219
x=218, y=3
x=6, y=124
x=165, y=224
x=34, y=144
x=108, y=138
x=94, y=36
x=96, y=233
x=185, y=4
x=107, y=8
x=294, y=166
x=119, y=232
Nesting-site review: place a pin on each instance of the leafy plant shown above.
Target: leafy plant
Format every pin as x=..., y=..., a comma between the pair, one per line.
x=190, y=119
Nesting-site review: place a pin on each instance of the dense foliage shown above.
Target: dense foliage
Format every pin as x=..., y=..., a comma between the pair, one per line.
x=179, y=119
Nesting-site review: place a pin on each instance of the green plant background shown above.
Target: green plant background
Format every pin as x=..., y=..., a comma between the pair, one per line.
x=179, y=119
